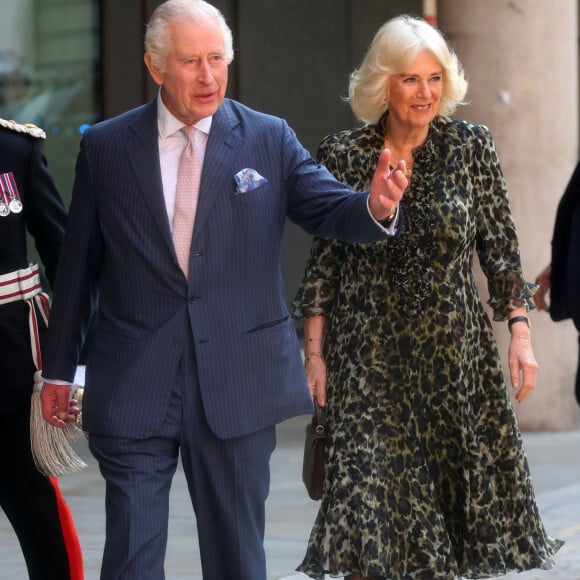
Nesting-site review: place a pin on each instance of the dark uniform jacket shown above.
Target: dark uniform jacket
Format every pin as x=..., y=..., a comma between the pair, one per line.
x=43, y=215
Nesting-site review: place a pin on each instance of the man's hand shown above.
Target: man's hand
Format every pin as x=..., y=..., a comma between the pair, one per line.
x=544, y=280
x=57, y=406
x=387, y=187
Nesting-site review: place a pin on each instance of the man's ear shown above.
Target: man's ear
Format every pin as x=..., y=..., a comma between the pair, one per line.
x=156, y=75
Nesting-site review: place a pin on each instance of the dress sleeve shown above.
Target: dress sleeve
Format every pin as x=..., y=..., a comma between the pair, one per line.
x=497, y=242
x=316, y=293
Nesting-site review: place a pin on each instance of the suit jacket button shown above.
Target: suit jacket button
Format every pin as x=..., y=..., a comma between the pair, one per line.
x=192, y=299
x=195, y=253
x=177, y=343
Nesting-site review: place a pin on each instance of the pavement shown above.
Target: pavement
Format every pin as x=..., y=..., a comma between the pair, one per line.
x=554, y=460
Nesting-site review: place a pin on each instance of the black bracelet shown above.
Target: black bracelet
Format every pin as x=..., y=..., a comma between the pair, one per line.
x=518, y=319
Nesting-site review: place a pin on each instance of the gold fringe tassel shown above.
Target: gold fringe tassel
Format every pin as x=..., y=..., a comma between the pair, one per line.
x=52, y=446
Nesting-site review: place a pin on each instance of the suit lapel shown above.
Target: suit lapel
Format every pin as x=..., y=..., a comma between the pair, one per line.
x=216, y=177
x=143, y=154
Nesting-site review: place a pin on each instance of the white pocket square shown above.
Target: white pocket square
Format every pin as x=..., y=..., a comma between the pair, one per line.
x=248, y=179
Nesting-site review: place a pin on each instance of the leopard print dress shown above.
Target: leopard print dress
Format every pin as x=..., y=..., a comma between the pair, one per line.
x=426, y=476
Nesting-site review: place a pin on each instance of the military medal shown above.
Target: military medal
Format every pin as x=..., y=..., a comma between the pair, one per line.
x=10, y=190
x=4, y=209
x=15, y=206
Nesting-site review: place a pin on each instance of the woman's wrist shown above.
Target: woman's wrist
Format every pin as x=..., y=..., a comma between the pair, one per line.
x=312, y=348
x=519, y=320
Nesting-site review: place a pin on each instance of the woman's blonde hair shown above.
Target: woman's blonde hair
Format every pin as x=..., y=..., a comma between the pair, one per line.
x=395, y=46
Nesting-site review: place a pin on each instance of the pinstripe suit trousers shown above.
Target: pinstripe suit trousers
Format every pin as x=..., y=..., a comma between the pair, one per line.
x=228, y=481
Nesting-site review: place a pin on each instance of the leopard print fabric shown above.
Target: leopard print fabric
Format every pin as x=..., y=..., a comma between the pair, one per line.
x=426, y=475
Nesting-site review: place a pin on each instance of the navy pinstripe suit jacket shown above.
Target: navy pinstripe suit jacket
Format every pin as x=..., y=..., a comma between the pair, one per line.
x=118, y=261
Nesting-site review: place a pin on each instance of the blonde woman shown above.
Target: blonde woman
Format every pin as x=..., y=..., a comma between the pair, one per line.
x=426, y=474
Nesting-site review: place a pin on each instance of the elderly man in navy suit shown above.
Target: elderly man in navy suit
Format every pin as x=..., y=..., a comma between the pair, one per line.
x=191, y=353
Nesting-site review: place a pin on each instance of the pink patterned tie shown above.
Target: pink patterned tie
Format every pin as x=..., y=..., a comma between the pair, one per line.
x=186, y=194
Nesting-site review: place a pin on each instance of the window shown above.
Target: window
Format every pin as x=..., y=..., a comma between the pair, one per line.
x=50, y=74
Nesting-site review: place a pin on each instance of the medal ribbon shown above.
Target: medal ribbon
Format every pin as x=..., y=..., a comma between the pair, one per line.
x=9, y=186
x=4, y=199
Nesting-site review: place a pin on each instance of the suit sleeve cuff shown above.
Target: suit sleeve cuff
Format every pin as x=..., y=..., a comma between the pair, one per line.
x=391, y=228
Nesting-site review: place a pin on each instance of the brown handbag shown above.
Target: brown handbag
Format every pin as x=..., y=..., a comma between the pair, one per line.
x=313, y=463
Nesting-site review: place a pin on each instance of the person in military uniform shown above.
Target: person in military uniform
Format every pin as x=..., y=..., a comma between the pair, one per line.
x=32, y=501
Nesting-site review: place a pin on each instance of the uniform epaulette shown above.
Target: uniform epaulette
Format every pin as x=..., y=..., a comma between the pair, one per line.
x=28, y=128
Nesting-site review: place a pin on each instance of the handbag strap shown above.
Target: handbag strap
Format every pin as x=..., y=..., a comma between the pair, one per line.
x=320, y=428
